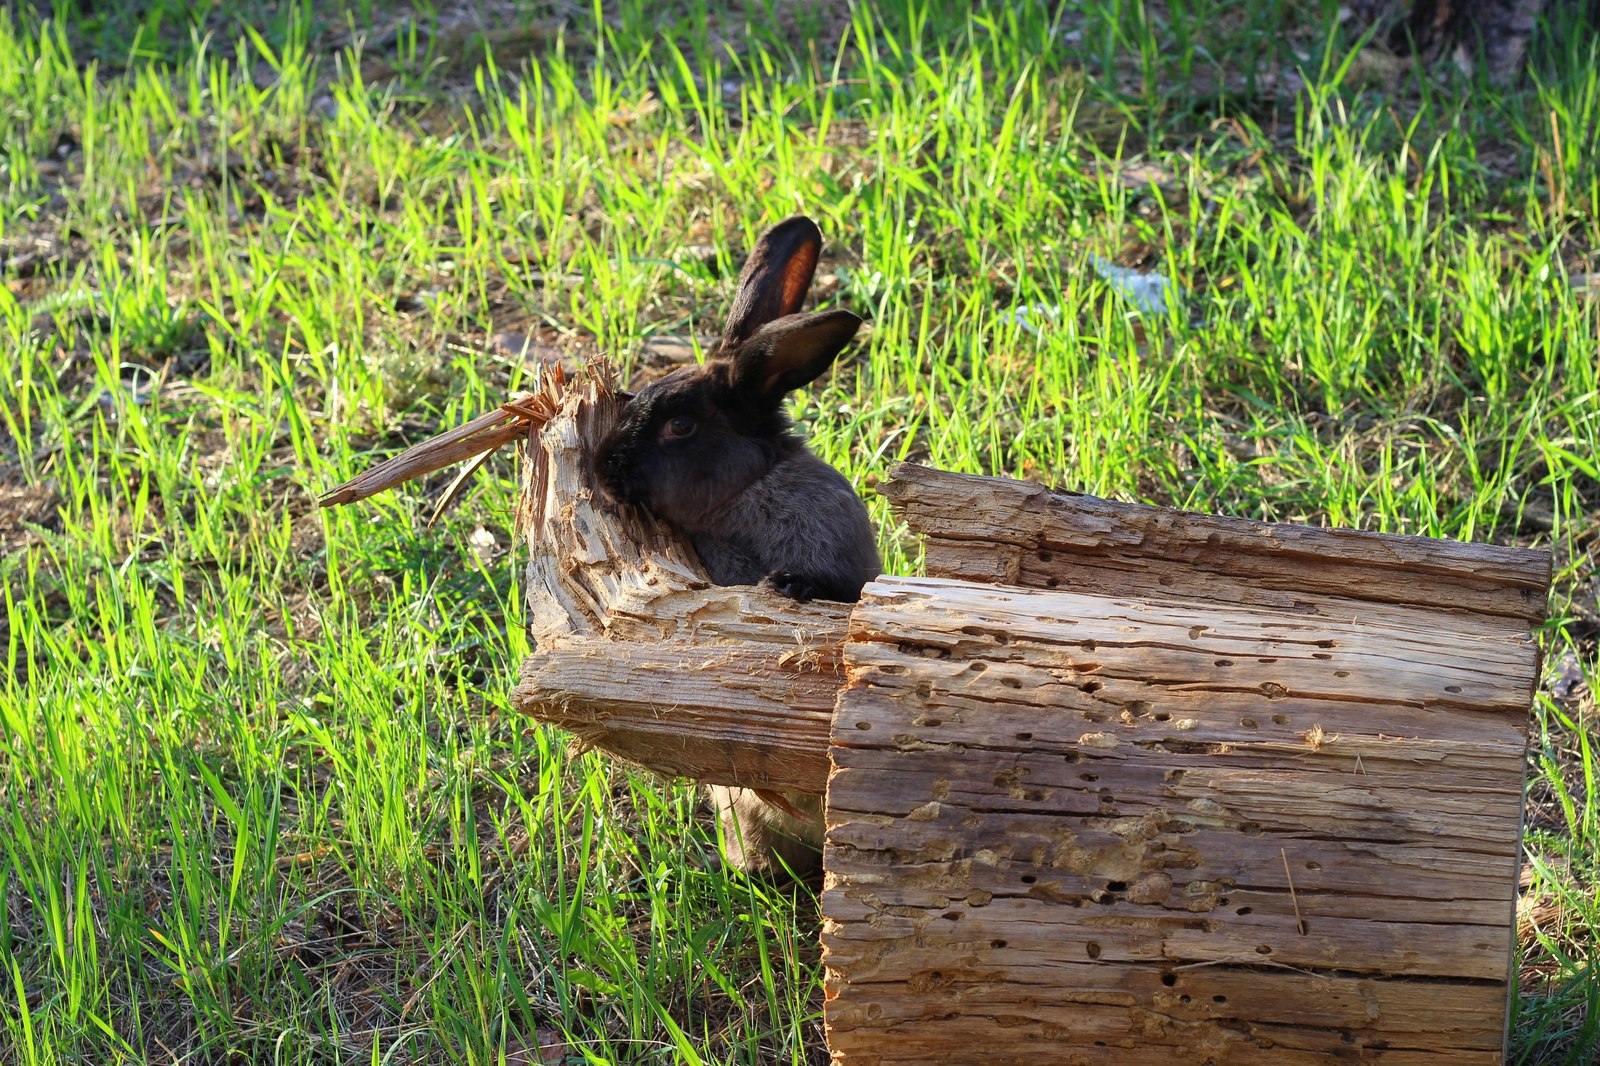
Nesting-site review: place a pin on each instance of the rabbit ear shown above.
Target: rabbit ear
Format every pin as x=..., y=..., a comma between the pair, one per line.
x=790, y=352
x=775, y=279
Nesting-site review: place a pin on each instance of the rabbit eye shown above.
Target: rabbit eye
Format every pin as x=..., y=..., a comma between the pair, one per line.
x=682, y=426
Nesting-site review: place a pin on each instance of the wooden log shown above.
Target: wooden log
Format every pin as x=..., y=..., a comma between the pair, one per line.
x=1211, y=791
x=1072, y=827
x=639, y=654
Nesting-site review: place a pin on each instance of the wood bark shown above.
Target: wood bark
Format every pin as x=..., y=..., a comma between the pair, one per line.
x=1077, y=827
x=996, y=530
x=639, y=654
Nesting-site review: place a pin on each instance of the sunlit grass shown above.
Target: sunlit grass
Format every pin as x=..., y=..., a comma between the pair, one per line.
x=264, y=792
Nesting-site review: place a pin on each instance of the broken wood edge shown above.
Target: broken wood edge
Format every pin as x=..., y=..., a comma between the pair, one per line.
x=640, y=654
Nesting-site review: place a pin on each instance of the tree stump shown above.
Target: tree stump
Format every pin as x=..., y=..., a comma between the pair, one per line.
x=1112, y=784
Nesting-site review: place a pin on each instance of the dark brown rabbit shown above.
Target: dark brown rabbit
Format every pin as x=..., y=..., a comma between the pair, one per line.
x=710, y=450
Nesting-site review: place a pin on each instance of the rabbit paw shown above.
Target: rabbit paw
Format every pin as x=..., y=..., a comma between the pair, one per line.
x=796, y=587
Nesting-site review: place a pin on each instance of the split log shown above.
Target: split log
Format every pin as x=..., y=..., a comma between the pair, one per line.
x=1114, y=784
x=1212, y=791
x=1071, y=828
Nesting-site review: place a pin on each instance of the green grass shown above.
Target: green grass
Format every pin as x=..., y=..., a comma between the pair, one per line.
x=267, y=800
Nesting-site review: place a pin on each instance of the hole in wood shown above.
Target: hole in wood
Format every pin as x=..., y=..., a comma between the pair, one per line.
x=1263, y=949
x=1045, y=557
x=1267, y=661
x=1327, y=643
x=1028, y=879
x=1092, y=950
x=1162, y=716
x=1116, y=886
x=997, y=944
x=1219, y=999
x=952, y=916
x=978, y=668
x=1089, y=777
x=1091, y=686
x=1169, y=979
x=1273, y=691
x=1280, y=719
x=1223, y=662
x=863, y=726
x=1453, y=688
x=1321, y=655
x=1245, y=910
x=1248, y=723
x=1313, y=866
x=1341, y=673
x=1024, y=736
x=1010, y=682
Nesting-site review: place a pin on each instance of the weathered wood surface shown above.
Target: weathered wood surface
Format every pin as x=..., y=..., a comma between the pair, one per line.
x=1071, y=827
x=999, y=531
x=639, y=654
x=1210, y=791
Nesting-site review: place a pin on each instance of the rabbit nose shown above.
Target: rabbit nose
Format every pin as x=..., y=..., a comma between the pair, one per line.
x=615, y=481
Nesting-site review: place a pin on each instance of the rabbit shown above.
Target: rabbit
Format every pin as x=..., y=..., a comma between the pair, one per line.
x=709, y=449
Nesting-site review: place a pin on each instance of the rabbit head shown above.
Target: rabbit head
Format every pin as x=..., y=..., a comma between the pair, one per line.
x=688, y=444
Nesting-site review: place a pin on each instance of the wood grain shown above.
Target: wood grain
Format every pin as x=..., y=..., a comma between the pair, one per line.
x=1068, y=827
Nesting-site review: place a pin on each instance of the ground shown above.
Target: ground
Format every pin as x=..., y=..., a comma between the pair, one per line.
x=266, y=798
